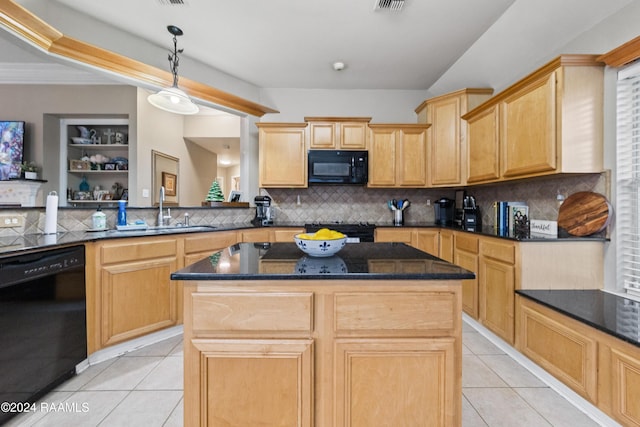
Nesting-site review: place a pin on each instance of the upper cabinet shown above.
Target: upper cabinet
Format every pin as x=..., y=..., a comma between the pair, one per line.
x=398, y=155
x=447, y=136
x=550, y=122
x=338, y=133
x=282, y=154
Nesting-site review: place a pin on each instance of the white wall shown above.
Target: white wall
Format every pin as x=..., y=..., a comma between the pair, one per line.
x=382, y=105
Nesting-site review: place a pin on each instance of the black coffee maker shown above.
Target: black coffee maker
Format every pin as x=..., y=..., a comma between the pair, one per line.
x=263, y=211
x=444, y=211
x=471, y=217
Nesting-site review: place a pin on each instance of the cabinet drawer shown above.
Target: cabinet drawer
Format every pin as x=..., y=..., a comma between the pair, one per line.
x=466, y=242
x=134, y=250
x=259, y=312
x=394, y=235
x=498, y=250
x=209, y=241
x=409, y=314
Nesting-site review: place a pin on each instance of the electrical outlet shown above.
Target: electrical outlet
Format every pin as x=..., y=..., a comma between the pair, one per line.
x=10, y=221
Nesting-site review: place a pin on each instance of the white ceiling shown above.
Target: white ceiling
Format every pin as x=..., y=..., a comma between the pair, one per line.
x=431, y=45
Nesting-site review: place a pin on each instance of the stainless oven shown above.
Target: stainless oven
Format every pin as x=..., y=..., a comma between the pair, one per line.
x=43, y=332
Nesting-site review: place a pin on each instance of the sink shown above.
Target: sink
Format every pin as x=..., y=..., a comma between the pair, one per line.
x=164, y=229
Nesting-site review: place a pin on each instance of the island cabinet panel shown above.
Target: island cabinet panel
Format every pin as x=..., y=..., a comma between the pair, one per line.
x=564, y=347
x=322, y=353
x=255, y=382
x=270, y=312
x=395, y=382
x=409, y=314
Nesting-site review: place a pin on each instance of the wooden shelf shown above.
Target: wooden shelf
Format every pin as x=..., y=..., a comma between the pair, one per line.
x=226, y=204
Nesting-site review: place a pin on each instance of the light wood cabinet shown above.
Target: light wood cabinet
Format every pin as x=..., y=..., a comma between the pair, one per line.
x=398, y=155
x=129, y=293
x=425, y=239
x=282, y=155
x=305, y=353
x=496, y=280
x=465, y=254
x=550, y=122
x=338, y=133
x=483, y=159
x=447, y=136
x=564, y=347
x=268, y=234
x=601, y=368
x=445, y=251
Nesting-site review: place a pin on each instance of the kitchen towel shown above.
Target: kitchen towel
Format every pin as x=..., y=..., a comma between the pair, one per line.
x=51, y=214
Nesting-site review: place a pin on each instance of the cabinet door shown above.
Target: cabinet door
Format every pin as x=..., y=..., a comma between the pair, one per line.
x=529, y=129
x=382, y=157
x=404, y=235
x=249, y=382
x=411, y=167
x=137, y=298
x=446, y=245
x=497, y=293
x=257, y=235
x=353, y=136
x=446, y=142
x=285, y=234
x=428, y=241
x=322, y=135
x=396, y=382
x=282, y=156
x=483, y=147
x=470, y=290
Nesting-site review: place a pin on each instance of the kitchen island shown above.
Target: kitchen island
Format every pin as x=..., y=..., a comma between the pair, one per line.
x=371, y=336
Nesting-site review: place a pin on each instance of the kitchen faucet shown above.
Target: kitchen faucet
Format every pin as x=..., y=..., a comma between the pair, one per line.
x=161, y=217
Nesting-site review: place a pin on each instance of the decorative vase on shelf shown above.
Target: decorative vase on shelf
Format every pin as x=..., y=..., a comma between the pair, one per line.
x=84, y=185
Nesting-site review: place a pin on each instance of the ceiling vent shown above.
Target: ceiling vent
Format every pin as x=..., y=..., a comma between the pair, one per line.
x=393, y=5
x=173, y=2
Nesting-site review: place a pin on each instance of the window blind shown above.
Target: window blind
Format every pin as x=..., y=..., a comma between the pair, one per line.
x=628, y=178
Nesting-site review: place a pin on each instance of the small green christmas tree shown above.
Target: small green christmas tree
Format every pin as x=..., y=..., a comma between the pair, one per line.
x=215, y=193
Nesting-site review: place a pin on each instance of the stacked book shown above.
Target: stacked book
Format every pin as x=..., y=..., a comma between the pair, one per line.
x=511, y=218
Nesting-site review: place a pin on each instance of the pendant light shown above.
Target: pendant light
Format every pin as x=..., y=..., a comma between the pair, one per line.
x=172, y=99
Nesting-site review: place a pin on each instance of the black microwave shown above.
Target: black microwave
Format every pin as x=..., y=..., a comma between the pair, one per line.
x=338, y=167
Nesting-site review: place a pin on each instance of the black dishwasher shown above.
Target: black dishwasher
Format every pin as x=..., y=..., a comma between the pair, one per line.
x=43, y=333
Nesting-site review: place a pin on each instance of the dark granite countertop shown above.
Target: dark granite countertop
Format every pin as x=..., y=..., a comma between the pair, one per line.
x=30, y=242
x=607, y=312
x=285, y=261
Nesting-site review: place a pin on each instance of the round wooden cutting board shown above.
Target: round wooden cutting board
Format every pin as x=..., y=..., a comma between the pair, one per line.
x=584, y=213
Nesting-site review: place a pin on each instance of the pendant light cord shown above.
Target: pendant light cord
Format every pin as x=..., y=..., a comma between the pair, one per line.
x=174, y=60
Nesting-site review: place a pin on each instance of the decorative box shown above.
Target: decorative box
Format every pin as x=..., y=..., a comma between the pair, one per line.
x=79, y=165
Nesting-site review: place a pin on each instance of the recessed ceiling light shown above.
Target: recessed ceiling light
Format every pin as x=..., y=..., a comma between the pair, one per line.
x=225, y=162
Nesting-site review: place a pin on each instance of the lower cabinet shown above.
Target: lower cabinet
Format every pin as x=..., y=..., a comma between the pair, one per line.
x=465, y=254
x=129, y=292
x=425, y=239
x=597, y=366
x=303, y=353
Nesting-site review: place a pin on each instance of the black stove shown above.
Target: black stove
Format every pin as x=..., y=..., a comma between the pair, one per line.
x=356, y=232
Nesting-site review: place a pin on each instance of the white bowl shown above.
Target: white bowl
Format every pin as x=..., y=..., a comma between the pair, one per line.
x=325, y=265
x=320, y=248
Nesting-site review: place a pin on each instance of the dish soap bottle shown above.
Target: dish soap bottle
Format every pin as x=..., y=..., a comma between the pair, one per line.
x=99, y=219
x=122, y=212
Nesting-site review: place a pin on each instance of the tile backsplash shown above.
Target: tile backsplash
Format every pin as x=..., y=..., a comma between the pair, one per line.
x=342, y=203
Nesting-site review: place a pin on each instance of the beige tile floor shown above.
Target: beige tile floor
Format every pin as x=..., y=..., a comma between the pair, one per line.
x=144, y=388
